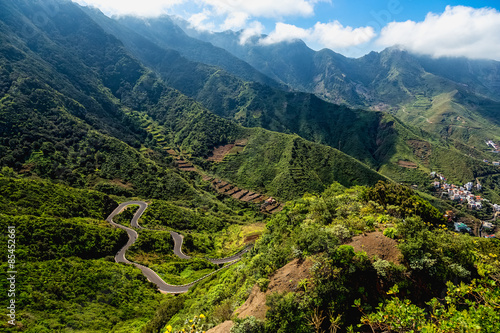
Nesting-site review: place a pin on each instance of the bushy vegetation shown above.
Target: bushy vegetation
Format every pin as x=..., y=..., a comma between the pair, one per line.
x=403, y=202
x=46, y=238
x=348, y=290
x=162, y=213
x=43, y=198
x=81, y=295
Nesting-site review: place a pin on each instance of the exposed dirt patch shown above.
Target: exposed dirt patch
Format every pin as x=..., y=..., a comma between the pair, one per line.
x=122, y=184
x=407, y=164
x=251, y=239
x=376, y=244
x=27, y=168
x=421, y=149
x=225, y=327
x=284, y=279
x=172, y=152
x=219, y=152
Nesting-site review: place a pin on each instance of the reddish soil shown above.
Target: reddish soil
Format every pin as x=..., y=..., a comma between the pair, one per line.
x=376, y=244
x=285, y=279
x=233, y=191
x=171, y=152
x=406, y=164
x=251, y=239
x=240, y=194
x=220, y=152
x=226, y=188
x=241, y=143
x=225, y=327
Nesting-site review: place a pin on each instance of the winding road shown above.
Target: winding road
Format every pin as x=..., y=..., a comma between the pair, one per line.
x=178, y=238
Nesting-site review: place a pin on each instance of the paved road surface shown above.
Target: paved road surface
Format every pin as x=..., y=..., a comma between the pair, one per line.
x=178, y=238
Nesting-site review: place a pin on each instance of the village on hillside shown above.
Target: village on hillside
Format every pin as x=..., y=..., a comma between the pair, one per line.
x=463, y=195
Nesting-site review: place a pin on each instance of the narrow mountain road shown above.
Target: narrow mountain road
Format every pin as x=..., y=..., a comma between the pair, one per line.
x=178, y=239
x=151, y=275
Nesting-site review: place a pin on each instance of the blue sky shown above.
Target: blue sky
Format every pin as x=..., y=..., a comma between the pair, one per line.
x=351, y=27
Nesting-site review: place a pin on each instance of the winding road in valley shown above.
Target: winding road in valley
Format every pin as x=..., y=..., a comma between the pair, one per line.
x=178, y=238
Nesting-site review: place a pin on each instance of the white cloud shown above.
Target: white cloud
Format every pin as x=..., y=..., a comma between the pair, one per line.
x=459, y=31
x=132, y=7
x=201, y=21
x=285, y=32
x=332, y=35
x=264, y=8
x=254, y=29
x=235, y=21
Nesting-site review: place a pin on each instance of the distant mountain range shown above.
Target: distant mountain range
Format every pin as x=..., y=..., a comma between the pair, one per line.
x=454, y=97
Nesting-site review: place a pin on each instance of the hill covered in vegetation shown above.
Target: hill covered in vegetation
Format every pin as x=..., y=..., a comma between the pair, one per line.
x=89, y=120
x=375, y=138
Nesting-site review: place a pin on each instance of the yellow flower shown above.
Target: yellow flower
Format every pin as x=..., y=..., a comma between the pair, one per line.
x=202, y=316
x=190, y=320
x=169, y=328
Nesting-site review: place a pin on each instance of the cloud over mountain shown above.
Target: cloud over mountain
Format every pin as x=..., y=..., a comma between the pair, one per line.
x=458, y=31
x=331, y=35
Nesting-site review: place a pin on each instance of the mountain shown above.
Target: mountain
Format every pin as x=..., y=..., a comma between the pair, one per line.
x=94, y=116
x=91, y=114
x=456, y=98
x=167, y=35
x=375, y=138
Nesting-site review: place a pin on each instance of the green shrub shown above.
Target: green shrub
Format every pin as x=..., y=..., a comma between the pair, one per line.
x=390, y=232
x=248, y=325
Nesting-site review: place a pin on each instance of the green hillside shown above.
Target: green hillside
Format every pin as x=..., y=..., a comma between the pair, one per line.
x=91, y=117
x=286, y=165
x=375, y=138
x=407, y=85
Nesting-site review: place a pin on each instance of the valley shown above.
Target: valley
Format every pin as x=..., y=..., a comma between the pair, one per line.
x=161, y=178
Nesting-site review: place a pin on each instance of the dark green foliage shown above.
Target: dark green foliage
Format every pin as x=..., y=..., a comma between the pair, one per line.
x=46, y=238
x=248, y=325
x=286, y=314
x=404, y=201
x=164, y=313
x=65, y=106
x=161, y=213
x=42, y=198
x=287, y=166
x=82, y=295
